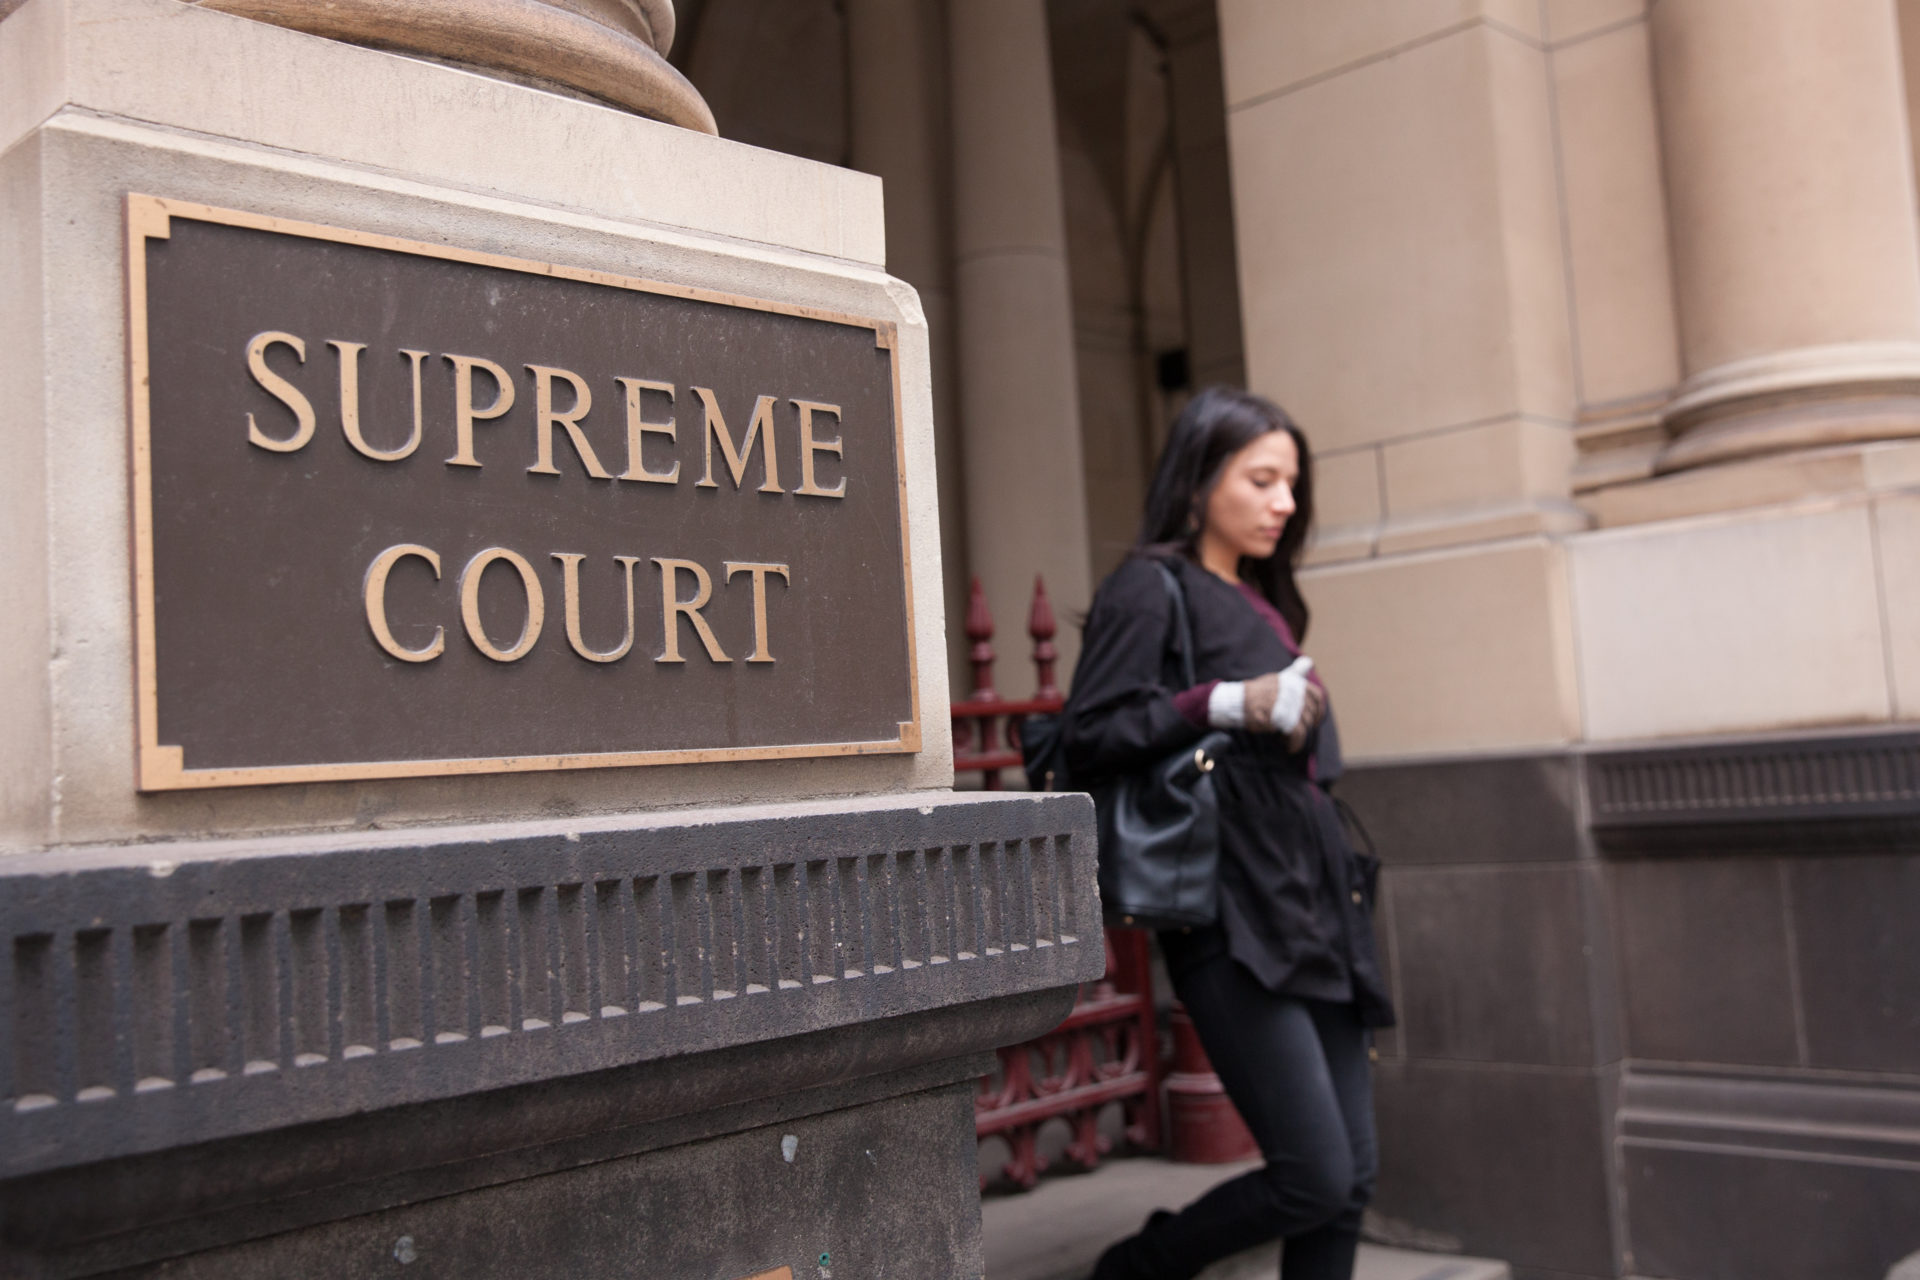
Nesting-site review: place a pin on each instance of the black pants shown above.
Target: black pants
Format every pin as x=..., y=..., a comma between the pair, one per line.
x=1298, y=1071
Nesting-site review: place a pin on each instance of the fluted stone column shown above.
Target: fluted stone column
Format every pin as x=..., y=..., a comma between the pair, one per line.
x=1019, y=404
x=897, y=116
x=1796, y=254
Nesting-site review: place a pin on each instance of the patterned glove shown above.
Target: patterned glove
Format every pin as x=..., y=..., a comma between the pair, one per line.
x=1265, y=704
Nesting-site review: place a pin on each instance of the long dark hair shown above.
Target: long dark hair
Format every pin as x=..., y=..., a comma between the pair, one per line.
x=1215, y=425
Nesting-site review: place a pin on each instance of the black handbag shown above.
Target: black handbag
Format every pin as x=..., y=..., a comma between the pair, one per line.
x=1042, y=743
x=1159, y=827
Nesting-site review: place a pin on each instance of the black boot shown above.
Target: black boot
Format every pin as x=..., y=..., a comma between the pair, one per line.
x=1130, y=1258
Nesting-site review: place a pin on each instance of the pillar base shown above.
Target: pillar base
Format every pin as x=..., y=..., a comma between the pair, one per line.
x=1807, y=398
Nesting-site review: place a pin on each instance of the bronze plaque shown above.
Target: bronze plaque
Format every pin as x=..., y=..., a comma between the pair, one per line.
x=402, y=509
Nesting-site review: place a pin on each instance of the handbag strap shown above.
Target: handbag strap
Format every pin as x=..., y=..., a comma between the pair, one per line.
x=1353, y=823
x=1182, y=626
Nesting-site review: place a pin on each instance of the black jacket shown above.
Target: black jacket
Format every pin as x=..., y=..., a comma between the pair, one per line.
x=1295, y=898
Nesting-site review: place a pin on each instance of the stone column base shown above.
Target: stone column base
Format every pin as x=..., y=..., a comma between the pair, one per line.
x=1803, y=399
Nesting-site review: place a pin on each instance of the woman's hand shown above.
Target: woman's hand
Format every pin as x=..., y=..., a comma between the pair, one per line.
x=1280, y=700
x=1261, y=693
x=1312, y=712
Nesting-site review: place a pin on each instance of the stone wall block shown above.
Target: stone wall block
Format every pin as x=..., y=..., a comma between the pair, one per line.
x=1627, y=344
x=1279, y=44
x=1535, y=1143
x=1859, y=972
x=1683, y=927
x=1478, y=810
x=1731, y=624
x=1375, y=240
x=26, y=628
x=1493, y=480
x=1493, y=965
x=1465, y=649
x=1897, y=541
x=1347, y=506
x=1572, y=19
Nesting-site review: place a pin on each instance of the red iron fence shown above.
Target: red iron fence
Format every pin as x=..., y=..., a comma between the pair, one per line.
x=986, y=727
x=1108, y=1049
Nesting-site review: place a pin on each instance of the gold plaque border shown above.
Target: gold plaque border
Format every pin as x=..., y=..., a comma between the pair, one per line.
x=162, y=767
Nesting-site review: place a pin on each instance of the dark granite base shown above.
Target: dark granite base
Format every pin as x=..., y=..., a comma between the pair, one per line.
x=1494, y=1092
x=1661, y=1008
x=1740, y=1216
x=213, y=1197
x=1770, y=1175
x=884, y=1189
x=1497, y=1161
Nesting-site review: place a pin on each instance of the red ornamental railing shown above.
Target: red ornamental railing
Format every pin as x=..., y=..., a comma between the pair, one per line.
x=1108, y=1049
x=986, y=727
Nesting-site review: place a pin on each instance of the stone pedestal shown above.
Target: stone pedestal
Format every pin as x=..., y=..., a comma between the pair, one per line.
x=698, y=1044
x=696, y=1019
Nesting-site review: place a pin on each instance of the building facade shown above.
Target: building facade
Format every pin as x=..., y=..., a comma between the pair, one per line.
x=1603, y=317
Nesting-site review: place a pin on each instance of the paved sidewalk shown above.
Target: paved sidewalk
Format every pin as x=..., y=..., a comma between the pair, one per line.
x=1057, y=1230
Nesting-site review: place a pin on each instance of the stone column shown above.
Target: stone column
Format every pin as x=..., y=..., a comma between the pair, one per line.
x=1019, y=404
x=1796, y=255
x=1203, y=188
x=897, y=116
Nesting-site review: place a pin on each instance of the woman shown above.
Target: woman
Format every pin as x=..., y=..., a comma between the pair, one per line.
x=1285, y=987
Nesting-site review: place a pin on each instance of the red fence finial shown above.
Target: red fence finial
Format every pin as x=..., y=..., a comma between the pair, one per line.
x=981, y=720
x=980, y=631
x=1041, y=627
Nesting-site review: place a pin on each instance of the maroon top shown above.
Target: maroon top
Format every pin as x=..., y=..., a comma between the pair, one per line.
x=1192, y=703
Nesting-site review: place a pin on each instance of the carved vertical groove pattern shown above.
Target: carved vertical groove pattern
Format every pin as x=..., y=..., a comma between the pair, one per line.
x=128, y=1005
x=1814, y=792
x=283, y=999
